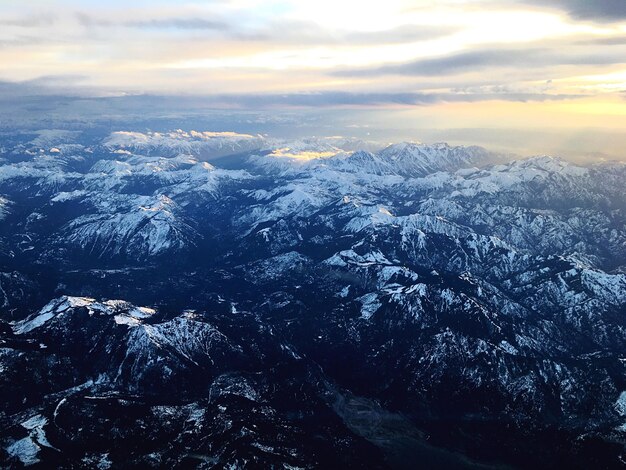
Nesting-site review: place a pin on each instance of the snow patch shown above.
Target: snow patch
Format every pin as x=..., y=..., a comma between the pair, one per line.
x=369, y=305
x=27, y=449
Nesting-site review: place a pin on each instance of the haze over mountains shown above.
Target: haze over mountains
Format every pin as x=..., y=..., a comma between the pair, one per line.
x=521, y=76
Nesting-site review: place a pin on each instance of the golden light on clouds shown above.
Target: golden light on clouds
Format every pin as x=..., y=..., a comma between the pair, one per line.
x=486, y=62
x=474, y=28
x=301, y=155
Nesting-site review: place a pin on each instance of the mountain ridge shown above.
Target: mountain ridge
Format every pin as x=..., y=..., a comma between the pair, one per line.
x=480, y=297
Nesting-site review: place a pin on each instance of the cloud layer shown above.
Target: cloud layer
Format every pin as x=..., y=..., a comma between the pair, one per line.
x=597, y=10
x=253, y=53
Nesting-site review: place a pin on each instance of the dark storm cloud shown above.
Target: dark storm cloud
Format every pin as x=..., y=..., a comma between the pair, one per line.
x=490, y=58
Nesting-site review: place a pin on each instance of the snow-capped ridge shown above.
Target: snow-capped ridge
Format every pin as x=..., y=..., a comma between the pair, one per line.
x=205, y=144
x=68, y=304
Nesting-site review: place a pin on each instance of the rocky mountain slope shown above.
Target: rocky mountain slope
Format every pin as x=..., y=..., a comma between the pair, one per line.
x=308, y=303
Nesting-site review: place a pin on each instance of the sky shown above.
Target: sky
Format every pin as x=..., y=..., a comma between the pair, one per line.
x=446, y=64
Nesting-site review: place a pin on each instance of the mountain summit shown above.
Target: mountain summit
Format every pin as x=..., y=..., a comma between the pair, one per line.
x=201, y=299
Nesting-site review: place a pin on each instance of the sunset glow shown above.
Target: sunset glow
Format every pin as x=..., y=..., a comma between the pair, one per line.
x=519, y=60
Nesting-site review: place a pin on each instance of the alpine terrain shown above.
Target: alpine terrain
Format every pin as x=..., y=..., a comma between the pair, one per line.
x=196, y=299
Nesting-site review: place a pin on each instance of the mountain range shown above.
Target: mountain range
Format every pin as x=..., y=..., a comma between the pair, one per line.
x=223, y=300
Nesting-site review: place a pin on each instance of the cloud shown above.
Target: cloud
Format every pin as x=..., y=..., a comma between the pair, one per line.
x=181, y=23
x=68, y=88
x=53, y=85
x=606, y=41
x=225, y=47
x=328, y=98
x=30, y=21
x=374, y=99
x=19, y=41
x=480, y=59
x=278, y=31
x=597, y=10
x=294, y=32
x=400, y=34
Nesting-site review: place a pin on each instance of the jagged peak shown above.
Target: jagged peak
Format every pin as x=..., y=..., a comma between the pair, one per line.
x=67, y=304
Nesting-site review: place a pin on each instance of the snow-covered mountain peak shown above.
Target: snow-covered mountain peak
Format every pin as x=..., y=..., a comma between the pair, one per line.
x=361, y=162
x=413, y=159
x=160, y=203
x=303, y=154
x=123, y=139
x=50, y=138
x=287, y=157
x=55, y=310
x=406, y=159
x=541, y=167
x=301, y=267
x=549, y=164
x=350, y=144
x=204, y=144
x=396, y=149
x=4, y=207
x=138, y=227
